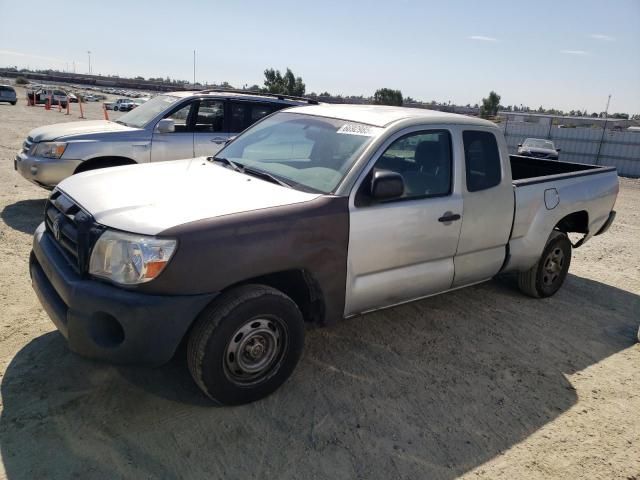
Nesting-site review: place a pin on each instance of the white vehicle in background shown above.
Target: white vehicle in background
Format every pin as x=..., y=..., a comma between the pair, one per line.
x=168, y=127
x=538, y=148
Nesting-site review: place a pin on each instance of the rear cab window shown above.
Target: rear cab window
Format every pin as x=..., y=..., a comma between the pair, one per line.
x=482, y=160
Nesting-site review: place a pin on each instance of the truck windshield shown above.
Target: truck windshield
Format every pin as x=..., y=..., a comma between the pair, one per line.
x=141, y=116
x=303, y=150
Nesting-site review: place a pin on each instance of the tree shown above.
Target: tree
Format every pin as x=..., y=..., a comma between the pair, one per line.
x=21, y=81
x=490, y=105
x=388, y=96
x=288, y=84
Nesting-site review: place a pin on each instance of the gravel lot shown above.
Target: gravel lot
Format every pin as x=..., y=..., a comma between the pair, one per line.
x=479, y=383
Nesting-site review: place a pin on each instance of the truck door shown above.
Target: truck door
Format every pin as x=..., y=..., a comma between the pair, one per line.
x=488, y=208
x=178, y=144
x=210, y=133
x=403, y=249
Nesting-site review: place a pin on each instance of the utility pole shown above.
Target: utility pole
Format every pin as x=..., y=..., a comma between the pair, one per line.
x=89, y=55
x=194, y=69
x=604, y=129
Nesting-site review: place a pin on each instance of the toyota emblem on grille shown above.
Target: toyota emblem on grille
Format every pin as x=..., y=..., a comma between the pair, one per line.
x=55, y=226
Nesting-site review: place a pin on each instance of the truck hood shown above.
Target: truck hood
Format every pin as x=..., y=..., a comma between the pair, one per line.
x=151, y=198
x=63, y=130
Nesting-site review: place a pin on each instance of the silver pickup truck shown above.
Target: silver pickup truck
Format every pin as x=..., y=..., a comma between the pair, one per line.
x=168, y=127
x=313, y=215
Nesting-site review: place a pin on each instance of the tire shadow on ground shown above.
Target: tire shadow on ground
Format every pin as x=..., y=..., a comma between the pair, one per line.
x=25, y=215
x=427, y=390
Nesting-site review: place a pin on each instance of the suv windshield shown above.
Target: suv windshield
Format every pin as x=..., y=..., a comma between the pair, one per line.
x=141, y=116
x=536, y=143
x=302, y=150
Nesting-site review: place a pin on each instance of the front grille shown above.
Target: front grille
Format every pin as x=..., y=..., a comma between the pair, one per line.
x=538, y=154
x=73, y=229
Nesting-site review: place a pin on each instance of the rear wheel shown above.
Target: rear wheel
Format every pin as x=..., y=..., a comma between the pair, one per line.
x=246, y=344
x=548, y=274
x=12, y=103
x=115, y=108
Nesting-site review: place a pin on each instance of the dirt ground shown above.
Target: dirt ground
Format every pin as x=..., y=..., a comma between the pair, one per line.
x=479, y=383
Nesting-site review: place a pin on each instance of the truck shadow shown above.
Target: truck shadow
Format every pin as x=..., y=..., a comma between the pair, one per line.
x=427, y=390
x=25, y=215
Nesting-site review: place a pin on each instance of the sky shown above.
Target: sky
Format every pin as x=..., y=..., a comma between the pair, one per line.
x=566, y=54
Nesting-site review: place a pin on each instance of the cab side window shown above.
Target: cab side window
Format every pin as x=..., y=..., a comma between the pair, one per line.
x=245, y=114
x=482, y=160
x=424, y=161
x=210, y=116
x=181, y=118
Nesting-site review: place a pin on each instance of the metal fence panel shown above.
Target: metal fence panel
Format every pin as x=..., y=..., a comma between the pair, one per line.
x=618, y=149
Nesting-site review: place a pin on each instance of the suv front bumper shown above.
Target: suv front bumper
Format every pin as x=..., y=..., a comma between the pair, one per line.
x=44, y=172
x=103, y=321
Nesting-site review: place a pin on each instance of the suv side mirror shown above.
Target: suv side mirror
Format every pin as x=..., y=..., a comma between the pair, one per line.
x=386, y=185
x=166, y=125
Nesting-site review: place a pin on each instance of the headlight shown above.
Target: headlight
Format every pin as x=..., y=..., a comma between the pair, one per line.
x=129, y=259
x=50, y=149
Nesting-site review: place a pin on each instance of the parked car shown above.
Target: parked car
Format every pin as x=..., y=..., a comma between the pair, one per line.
x=314, y=214
x=89, y=98
x=72, y=98
x=123, y=105
x=54, y=96
x=538, y=148
x=168, y=127
x=8, y=94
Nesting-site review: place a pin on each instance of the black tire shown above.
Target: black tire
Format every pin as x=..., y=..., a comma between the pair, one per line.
x=12, y=103
x=115, y=108
x=546, y=277
x=245, y=344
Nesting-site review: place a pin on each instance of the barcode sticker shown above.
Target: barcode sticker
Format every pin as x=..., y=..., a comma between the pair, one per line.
x=358, y=129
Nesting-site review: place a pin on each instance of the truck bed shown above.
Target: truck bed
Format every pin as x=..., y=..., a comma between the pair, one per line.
x=528, y=170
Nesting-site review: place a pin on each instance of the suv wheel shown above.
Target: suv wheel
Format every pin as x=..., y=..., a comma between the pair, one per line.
x=245, y=344
x=549, y=273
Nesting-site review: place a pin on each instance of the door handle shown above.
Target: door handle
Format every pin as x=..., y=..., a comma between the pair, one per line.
x=218, y=140
x=449, y=217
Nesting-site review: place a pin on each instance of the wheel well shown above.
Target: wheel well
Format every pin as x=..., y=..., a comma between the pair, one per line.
x=103, y=162
x=300, y=286
x=577, y=222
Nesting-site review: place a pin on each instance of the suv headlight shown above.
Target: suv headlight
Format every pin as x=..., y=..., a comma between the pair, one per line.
x=50, y=149
x=130, y=259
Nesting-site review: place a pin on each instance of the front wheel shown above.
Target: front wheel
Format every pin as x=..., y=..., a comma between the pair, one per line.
x=549, y=273
x=246, y=344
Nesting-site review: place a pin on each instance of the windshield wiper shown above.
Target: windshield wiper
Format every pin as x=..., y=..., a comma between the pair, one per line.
x=266, y=176
x=236, y=166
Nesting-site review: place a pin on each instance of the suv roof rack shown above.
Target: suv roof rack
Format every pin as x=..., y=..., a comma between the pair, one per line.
x=279, y=96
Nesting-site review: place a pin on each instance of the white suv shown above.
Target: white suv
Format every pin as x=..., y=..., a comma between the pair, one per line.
x=170, y=126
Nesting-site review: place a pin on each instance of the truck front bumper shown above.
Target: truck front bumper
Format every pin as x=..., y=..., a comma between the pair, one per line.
x=44, y=172
x=104, y=322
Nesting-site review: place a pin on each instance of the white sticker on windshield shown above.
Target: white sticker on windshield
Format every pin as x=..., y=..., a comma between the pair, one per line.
x=358, y=129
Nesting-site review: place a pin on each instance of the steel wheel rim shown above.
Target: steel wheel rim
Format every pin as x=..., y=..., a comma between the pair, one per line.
x=255, y=350
x=553, y=267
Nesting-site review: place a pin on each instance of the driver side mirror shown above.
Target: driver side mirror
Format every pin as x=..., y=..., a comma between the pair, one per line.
x=166, y=125
x=386, y=185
